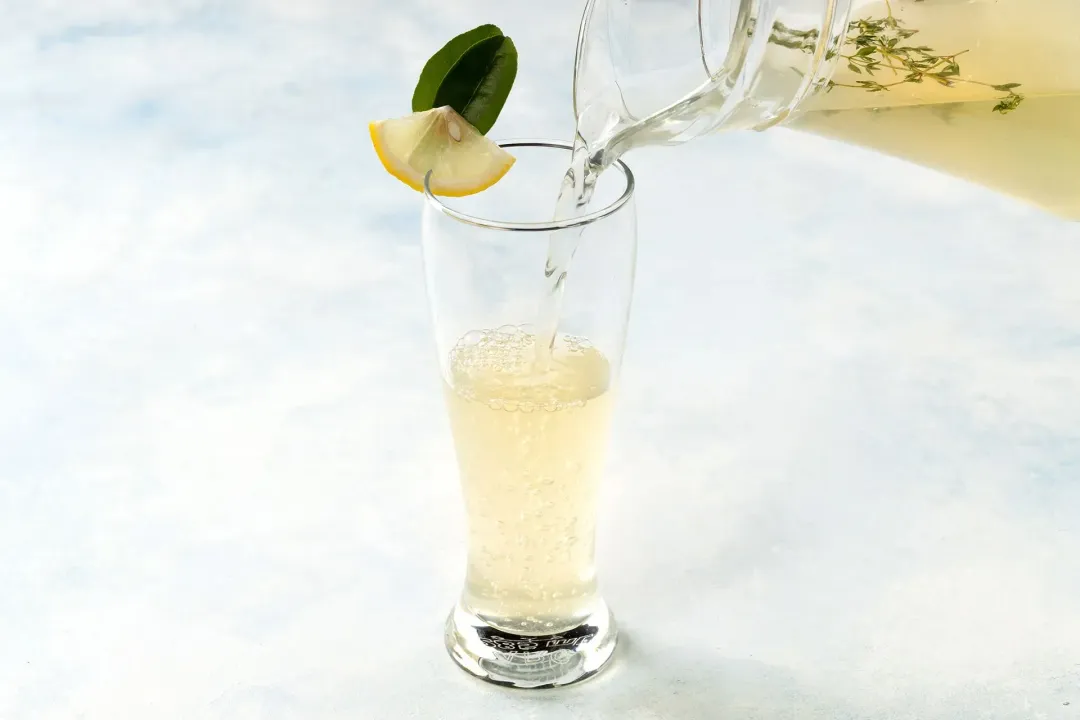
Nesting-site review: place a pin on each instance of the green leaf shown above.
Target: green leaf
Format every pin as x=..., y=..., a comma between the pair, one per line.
x=442, y=62
x=479, y=83
x=1007, y=105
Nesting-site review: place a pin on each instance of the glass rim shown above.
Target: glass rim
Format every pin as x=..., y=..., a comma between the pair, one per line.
x=548, y=226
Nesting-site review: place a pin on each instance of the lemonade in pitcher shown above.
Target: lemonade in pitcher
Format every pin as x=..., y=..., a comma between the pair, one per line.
x=986, y=90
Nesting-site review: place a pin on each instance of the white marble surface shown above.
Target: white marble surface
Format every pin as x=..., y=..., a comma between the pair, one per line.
x=845, y=474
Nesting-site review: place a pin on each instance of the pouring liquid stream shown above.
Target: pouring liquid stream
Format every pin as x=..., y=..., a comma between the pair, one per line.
x=574, y=195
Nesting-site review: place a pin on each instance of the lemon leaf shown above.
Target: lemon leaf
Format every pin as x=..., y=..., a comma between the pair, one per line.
x=478, y=85
x=442, y=62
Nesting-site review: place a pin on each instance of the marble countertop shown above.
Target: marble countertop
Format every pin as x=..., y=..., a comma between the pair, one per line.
x=844, y=480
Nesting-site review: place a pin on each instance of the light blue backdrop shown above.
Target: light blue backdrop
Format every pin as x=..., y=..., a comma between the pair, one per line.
x=844, y=479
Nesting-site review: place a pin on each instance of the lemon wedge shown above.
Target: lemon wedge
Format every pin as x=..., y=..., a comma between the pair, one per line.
x=462, y=160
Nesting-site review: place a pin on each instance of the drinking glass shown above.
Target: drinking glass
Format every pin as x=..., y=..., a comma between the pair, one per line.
x=530, y=419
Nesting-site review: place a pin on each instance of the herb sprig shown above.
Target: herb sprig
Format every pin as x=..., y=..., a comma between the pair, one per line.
x=881, y=45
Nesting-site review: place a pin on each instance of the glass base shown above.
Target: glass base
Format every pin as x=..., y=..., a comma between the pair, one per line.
x=531, y=661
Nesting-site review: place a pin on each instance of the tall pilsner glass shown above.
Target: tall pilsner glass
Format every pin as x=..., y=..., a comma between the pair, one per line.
x=530, y=426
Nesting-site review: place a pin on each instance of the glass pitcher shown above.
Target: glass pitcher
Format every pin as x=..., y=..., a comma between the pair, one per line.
x=986, y=90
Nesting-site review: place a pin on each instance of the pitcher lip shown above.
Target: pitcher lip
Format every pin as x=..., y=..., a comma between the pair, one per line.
x=552, y=225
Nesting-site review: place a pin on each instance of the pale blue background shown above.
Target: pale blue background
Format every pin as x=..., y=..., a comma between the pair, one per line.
x=844, y=480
